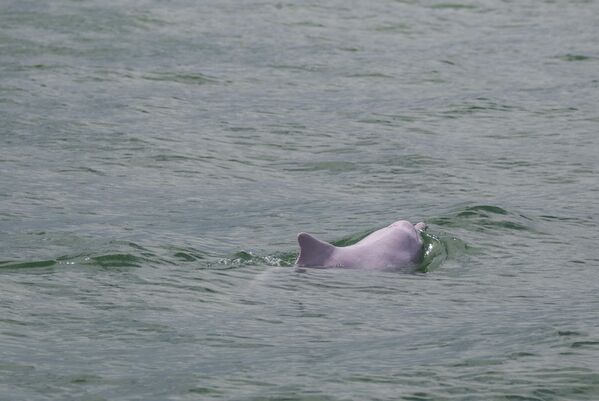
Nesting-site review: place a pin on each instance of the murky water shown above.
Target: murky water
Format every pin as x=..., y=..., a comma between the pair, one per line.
x=157, y=160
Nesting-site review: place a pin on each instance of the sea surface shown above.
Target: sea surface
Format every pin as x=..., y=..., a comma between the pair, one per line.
x=158, y=158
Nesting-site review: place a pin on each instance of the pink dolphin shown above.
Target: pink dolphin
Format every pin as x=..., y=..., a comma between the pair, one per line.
x=395, y=246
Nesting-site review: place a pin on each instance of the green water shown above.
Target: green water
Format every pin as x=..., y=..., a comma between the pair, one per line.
x=157, y=160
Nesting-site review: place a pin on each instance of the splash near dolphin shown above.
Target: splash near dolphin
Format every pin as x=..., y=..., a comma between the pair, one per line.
x=396, y=246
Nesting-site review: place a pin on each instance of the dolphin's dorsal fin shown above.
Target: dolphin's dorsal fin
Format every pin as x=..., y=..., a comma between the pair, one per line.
x=313, y=252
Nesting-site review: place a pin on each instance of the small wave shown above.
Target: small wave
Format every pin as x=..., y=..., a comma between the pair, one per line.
x=485, y=218
x=438, y=248
x=115, y=260
x=333, y=167
x=112, y=255
x=453, y=6
x=249, y=258
x=107, y=261
x=575, y=57
x=27, y=265
x=182, y=78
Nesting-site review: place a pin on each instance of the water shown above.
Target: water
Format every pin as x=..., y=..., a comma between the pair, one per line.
x=158, y=159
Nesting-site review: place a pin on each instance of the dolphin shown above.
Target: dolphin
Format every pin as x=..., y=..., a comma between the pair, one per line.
x=399, y=245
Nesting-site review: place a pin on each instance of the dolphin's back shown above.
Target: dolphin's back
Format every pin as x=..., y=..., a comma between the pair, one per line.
x=395, y=246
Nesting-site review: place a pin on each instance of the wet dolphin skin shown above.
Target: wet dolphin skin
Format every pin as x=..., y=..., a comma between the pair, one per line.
x=395, y=246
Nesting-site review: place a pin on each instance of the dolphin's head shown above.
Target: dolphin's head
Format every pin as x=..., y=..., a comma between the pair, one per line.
x=420, y=226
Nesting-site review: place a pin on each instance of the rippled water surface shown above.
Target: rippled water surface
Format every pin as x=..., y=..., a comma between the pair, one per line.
x=157, y=160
